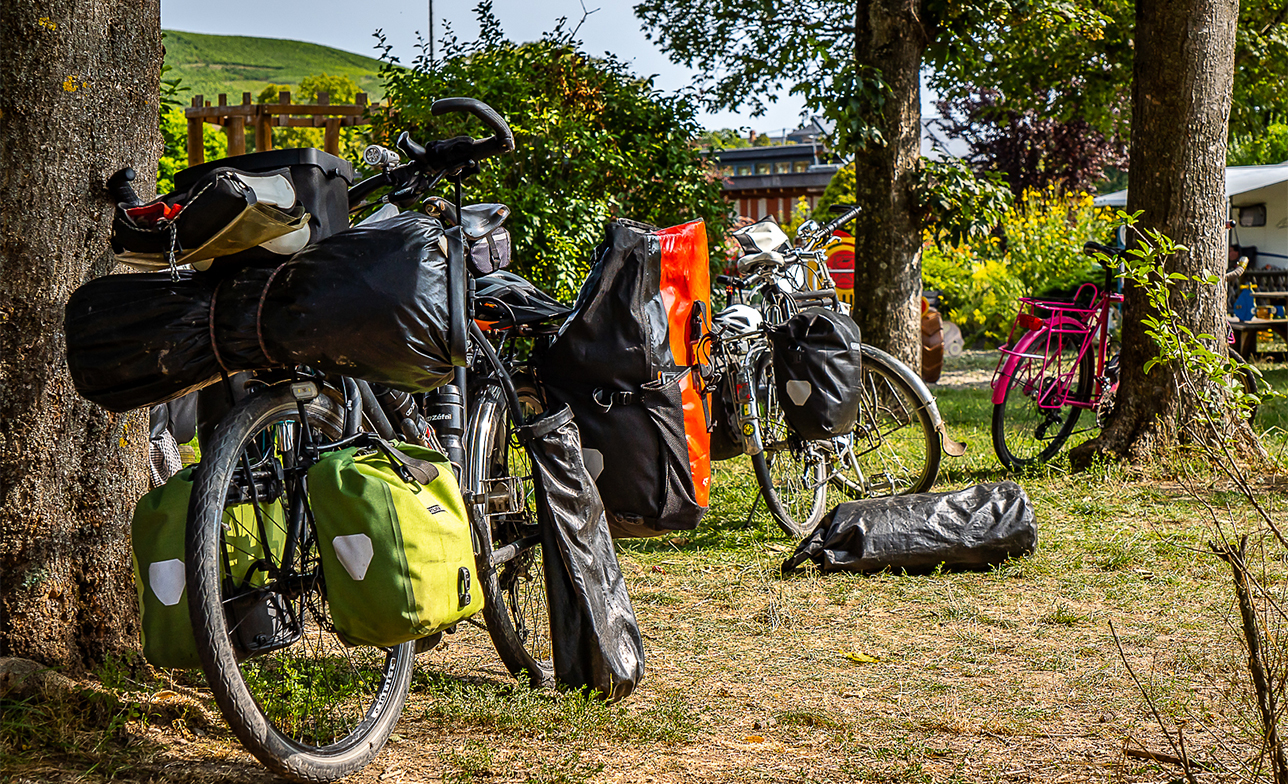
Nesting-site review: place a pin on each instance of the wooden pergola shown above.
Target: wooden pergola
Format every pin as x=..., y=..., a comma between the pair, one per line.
x=266, y=116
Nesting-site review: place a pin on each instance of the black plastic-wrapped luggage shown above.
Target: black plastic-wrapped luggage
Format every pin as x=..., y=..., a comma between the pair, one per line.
x=974, y=528
x=369, y=302
x=595, y=636
x=258, y=207
x=623, y=361
x=816, y=369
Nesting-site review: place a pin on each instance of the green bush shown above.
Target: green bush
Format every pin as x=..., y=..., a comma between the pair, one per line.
x=1036, y=249
x=594, y=143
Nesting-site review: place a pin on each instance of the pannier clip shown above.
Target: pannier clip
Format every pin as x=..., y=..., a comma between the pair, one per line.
x=606, y=400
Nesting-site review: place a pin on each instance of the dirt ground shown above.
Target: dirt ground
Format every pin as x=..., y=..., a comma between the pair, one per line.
x=1012, y=675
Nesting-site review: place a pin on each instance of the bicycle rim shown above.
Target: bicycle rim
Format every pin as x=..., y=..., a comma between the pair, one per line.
x=894, y=448
x=313, y=709
x=499, y=473
x=1027, y=428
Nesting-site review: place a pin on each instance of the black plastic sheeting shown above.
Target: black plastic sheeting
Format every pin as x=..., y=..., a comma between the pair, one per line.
x=595, y=637
x=974, y=528
x=369, y=302
x=817, y=355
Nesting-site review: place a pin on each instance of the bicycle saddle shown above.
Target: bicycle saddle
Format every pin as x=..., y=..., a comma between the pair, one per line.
x=507, y=300
x=480, y=220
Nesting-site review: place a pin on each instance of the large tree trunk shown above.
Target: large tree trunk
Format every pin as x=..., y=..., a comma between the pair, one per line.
x=1182, y=80
x=889, y=40
x=78, y=100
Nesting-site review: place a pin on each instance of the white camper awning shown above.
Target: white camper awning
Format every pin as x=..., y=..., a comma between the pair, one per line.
x=1238, y=179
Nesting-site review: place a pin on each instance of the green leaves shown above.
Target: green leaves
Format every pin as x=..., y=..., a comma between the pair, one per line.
x=593, y=142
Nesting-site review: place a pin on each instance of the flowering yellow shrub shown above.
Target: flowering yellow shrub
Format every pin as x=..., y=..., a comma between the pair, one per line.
x=1036, y=249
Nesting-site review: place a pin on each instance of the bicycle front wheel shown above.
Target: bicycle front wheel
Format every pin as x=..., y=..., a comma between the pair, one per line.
x=894, y=449
x=307, y=705
x=504, y=515
x=792, y=471
x=1036, y=415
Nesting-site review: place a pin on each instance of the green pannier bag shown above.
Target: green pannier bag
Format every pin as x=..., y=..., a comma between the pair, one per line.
x=397, y=553
x=157, y=543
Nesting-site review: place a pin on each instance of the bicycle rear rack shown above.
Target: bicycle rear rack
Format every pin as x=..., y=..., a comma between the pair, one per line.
x=1069, y=327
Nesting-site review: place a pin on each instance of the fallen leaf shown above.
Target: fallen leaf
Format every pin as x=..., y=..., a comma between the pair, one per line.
x=861, y=658
x=754, y=739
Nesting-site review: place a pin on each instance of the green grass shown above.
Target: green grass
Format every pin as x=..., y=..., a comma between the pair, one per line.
x=230, y=64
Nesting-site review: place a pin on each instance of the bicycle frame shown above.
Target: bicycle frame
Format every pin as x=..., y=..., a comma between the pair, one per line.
x=1067, y=321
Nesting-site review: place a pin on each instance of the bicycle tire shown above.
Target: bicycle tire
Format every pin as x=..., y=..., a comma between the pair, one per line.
x=1021, y=427
x=894, y=449
x=509, y=562
x=271, y=701
x=792, y=471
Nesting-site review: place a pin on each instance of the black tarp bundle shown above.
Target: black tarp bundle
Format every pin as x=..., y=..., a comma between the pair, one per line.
x=817, y=355
x=369, y=302
x=974, y=528
x=596, y=639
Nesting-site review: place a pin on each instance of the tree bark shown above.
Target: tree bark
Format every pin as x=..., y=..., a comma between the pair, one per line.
x=889, y=40
x=1183, y=74
x=78, y=100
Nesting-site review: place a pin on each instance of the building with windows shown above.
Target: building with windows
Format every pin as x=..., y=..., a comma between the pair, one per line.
x=760, y=181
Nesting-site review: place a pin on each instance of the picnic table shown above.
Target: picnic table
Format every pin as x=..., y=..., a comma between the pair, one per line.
x=1245, y=332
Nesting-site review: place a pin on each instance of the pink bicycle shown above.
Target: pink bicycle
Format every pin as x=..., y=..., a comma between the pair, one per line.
x=1054, y=365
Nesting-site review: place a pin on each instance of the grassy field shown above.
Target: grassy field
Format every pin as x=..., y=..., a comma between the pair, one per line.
x=1010, y=675
x=213, y=64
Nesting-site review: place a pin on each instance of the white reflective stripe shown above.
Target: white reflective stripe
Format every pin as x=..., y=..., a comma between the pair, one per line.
x=354, y=552
x=167, y=580
x=594, y=460
x=275, y=190
x=384, y=213
x=289, y=244
x=799, y=391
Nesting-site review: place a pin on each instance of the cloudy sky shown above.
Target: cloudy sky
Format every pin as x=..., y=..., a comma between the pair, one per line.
x=349, y=26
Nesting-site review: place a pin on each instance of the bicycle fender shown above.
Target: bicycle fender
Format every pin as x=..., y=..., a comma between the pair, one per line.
x=951, y=447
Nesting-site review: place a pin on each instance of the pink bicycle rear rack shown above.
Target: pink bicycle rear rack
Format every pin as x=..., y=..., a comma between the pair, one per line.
x=1068, y=325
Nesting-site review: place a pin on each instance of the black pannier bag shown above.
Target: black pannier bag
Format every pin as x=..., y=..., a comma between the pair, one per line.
x=596, y=641
x=974, y=528
x=369, y=302
x=643, y=424
x=817, y=355
x=262, y=206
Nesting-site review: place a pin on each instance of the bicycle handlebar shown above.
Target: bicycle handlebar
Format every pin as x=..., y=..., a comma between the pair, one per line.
x=119, y=188
x=851, y=211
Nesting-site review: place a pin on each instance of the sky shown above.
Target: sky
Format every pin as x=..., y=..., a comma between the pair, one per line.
x=611, y=27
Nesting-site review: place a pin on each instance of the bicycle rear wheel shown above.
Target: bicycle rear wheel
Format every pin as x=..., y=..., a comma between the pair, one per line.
x=1031, y=423
x=792, y=471
x=504, y=515
x=308, y=706
x=895, y=446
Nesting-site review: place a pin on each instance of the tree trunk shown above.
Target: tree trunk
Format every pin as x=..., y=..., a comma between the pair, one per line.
x=1183, y=74
x=78, y=100
x=889, y=40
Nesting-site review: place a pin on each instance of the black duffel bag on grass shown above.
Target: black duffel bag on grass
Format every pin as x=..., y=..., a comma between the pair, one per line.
x=975, y=528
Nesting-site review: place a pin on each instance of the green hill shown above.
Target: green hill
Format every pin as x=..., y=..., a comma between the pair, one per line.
x=233, y=64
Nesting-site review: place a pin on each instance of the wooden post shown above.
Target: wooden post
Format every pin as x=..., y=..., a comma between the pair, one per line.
x=236, y=132
x=283, y=98
x=263, y=133
x=331, y=139
x=196, y=140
